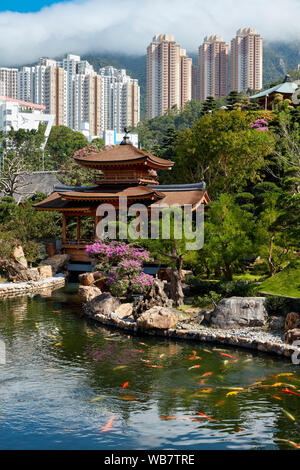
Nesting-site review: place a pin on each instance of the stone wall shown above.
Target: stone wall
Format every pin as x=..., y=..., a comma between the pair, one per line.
x=11, y=289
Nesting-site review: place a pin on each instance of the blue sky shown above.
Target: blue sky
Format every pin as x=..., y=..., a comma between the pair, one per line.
x=26, y=5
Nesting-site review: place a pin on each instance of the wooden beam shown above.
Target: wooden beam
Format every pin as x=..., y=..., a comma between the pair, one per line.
x=78, y=227
x=64, y=227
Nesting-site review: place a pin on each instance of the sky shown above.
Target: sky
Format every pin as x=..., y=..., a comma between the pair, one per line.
x=30, y=29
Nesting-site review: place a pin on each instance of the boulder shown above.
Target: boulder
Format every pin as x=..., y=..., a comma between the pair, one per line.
x=155, y=297
x=45, y=272
x=103, y=304
x=292, y=335
x=33, y=274
x=292, y=321
x=17, y=273
x=57, y=262
x=19, y=257
x=238, y=312
x=88, y=293
x=162, y=318
x=198, y=318
x=124, y=311
x=276, y=323
x=86, y=279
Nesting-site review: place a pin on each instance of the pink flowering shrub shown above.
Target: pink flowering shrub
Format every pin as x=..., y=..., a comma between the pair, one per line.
x=260, y=125
x=121, y=266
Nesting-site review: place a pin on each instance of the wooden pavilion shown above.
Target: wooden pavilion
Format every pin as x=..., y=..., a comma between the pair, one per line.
x=125, y=171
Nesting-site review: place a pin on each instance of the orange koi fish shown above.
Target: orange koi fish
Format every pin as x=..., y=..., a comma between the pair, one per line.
x=205, y=416
x=195, y=358
x=140, y=351
x=125, y=384
x=108, y=425
x=289, y=442
x=195, y=353
x=207, y=374
x=228, y=355
x=194, y=367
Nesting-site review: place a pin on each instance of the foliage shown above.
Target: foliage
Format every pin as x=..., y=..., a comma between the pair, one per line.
x=207, y=300
x=62, y=143
x=286, y=282
x=121, y=266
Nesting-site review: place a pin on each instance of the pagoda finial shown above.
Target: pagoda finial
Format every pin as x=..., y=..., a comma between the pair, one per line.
x=126, y=138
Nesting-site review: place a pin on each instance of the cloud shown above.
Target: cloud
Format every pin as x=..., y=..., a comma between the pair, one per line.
x=127, y=26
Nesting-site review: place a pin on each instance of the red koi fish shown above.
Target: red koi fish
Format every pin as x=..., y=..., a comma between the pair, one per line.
x=286, y=390
x=139, y=350
x=143, y=344
x=195, y=358
x=195, y=353
x=207, y=374
x=108, y=425
x=125, y=384
x=228, y=355
x=205, y=416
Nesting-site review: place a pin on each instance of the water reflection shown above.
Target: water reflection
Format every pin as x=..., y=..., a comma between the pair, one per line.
x=64, y=375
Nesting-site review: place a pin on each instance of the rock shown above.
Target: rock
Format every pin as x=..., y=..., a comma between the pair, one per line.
x=103, y=304
x=58, y=262
x=162, y=318
x=292, y=321
x=86, y=279
x=124, y=311
x=88, y=293
x=155, y=297
x=33, y=274
x=18, y=255
x=292, y=335
x=276, y=323
x=198, y=318
x=45, y=272
x=238, y=312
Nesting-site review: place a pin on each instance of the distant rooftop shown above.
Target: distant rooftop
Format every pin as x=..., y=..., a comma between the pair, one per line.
x=23, y=103
x=287, y=87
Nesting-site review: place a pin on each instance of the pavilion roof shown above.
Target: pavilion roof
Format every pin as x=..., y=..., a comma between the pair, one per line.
x=121, y=155
x=285, y=88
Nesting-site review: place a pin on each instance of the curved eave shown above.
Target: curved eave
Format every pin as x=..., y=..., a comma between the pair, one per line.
x=97, y=165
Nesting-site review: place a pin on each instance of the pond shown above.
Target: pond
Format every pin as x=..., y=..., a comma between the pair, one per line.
x=69, y=383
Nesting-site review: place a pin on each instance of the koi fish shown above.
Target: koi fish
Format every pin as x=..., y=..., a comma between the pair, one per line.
x=291, y=417
x=139, y=350
x=290, y=392
x=195, y=358
x=195, y=353
x=207, y=390
x=247, y=360
x=240, y=430
x=206, y=350
x=162, y=355
x=289, y=442
x=221, y=402
x=231, y=394
x=36, y=325
x=194, y=367
x=228, y=355
x=205, y=416
x=231, y=388
x=96, y=399
x=146, y=360
x=120, y=367
x=125, y=384
x=108, y=425
x=128, y=398
x=285, y=374
x=276, y=398
x=207, y=374
x=56, y=311
x=143, y=344
x=58, y=344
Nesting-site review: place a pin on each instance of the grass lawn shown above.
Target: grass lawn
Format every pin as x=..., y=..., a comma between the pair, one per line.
x=287, y=282
x=247, y=277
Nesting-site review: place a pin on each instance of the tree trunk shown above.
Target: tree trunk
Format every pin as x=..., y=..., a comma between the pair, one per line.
x=272, y=268
x=228, y=272
x=176, y=292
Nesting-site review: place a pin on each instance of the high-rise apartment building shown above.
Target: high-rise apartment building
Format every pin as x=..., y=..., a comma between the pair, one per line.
x=121, y=99
x=213, y=68
x=169, y=75
x=9, y=82
x=247, y=60
x=79, y=97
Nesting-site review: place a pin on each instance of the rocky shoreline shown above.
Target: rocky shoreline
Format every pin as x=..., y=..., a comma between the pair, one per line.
x=247, y=338
x=11, y=289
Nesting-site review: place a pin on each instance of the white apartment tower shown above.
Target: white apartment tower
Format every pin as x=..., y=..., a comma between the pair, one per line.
x=169, y=75
x=213, y=68
x=121, y=99
x=9, y=82
x=247, y=60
